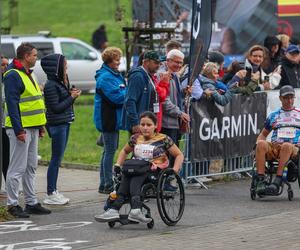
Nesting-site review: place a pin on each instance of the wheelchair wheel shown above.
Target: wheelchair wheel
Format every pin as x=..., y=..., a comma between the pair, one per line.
x=170, y=197
x=253, y=195
x=290, y=195
x=150, y=225
x=111, y=224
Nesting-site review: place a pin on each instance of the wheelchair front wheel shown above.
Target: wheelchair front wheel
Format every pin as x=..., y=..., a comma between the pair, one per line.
x=170, y=197
x=150, y=225
x=290, y=195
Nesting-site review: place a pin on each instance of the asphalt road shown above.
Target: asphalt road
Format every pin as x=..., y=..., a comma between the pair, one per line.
x=73, y=227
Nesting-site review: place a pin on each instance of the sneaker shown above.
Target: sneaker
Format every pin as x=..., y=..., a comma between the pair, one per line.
x=109, y=215
x=205, y=179
x=101, y=190
x=138, y=216
x=62, y=196
x=170, y=188
x=274, y=187
x=36, y=209
x=108, y=189
x=17, y=212
x=55, y=199
x=260, y=186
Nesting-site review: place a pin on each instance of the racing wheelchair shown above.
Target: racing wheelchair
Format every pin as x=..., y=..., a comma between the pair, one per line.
x=170, y=203
x=293, y=174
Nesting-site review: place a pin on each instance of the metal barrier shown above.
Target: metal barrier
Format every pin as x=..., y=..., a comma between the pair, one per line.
x=194, y=171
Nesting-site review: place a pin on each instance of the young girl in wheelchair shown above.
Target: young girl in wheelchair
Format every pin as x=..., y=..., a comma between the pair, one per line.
x=147, y=147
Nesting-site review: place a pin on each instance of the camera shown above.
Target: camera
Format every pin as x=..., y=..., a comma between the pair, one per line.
x=266, y=78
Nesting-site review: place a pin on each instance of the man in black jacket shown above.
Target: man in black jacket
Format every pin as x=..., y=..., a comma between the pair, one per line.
x=290, y=74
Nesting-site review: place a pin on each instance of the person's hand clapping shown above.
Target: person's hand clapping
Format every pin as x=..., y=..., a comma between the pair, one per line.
x=165, y=76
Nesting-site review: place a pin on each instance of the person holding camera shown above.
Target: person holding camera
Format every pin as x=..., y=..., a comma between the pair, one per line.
x=59, y=99
x=253, y=75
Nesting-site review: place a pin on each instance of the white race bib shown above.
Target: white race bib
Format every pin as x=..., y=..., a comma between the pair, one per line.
x=156, y=107
x=144, y=151
x=287, y=132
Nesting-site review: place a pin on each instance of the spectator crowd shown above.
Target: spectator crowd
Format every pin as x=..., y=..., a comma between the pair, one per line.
x=159, y=85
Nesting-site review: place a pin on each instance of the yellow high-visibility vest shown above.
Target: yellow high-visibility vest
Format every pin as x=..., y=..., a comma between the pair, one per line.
x=31, y=104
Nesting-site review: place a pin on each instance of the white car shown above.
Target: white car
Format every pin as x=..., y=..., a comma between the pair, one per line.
x=83, y=59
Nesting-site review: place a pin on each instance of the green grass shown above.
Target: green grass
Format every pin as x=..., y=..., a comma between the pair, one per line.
x=4, y=215
x=73, y=18
x=81, y=146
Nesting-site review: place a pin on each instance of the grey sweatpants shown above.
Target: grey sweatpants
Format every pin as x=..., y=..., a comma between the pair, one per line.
x=22, y=167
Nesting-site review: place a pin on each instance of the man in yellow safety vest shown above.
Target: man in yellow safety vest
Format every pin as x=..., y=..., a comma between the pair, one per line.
x=24, y=125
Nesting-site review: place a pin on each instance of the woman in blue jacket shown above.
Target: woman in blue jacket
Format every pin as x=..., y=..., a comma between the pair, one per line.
x=108, y=103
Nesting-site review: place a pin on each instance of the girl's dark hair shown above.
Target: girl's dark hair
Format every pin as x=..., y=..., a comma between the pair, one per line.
x=149, y=115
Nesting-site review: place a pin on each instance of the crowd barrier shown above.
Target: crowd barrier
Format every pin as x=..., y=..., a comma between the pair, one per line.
x=195, y=168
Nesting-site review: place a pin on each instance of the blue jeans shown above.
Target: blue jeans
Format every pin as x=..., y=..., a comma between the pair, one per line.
x=110, y=141
x=59, y=137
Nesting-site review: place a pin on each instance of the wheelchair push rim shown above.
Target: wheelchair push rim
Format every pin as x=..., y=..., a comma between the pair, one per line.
x=170, y=203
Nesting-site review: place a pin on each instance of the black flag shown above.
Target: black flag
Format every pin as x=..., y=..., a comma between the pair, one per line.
x=201, y=29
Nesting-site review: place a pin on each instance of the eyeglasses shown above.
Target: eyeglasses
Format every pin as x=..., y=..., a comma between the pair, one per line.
x=177, y=62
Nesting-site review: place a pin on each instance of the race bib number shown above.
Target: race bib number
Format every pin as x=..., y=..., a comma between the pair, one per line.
x=287, y=132
x=156, y=107
x=144, y=151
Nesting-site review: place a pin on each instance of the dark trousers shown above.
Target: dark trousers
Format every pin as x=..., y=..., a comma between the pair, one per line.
x=132, y=187
x=5, y=159
x=175, y=135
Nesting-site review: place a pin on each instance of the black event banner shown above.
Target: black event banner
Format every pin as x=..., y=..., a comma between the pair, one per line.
x=223, y=132
x=200, y=36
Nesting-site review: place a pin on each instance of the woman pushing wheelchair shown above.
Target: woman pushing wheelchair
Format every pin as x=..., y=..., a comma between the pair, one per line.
x=150, y=152
x=285, y=140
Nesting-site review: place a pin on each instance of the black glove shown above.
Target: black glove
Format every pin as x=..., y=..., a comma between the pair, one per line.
x=117, y=169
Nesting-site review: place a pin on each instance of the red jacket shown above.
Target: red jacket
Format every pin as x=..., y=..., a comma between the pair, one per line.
x=162, y=89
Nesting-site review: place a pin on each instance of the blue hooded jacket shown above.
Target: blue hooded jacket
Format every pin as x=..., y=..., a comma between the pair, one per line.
x=109, y=99
x=138, y=97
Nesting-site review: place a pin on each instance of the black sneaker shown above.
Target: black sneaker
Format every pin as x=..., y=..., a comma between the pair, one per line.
x=109, y=189
x=36, y=209
x=17, y=212
x=101, y=190
x=274, y=187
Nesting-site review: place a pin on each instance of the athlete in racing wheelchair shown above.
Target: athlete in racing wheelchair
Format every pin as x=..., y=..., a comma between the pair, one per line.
x=149, y=154
x=285, y=124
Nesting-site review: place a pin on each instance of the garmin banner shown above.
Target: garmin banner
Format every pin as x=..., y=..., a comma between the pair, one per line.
x=223, y=132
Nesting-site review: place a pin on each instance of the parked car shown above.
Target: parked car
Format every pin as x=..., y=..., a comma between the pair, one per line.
x=83, y=59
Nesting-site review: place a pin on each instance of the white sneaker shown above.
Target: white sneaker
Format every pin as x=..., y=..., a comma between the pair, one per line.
x=138, y=216
x=109, y=215
x=62, y=196
x=55, y=199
